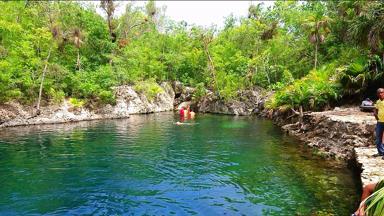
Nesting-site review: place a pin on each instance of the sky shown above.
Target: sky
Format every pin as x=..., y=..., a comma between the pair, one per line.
x=203, y=13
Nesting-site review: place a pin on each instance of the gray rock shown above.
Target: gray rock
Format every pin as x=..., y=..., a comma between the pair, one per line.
x=249, y=102
x=127, y=102
x=335, y=132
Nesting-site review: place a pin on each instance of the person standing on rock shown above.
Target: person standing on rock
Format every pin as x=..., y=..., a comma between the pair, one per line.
x=379, y=115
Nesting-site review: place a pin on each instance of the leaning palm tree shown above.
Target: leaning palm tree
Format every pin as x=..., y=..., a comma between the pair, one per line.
x=318, y=27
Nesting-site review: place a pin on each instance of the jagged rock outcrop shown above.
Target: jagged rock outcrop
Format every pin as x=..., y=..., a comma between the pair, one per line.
x=249, y=102
x=127, y=102
x=182, y=93
x=335, y=133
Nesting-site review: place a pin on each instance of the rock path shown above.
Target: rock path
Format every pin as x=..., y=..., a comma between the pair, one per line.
x=372, y=167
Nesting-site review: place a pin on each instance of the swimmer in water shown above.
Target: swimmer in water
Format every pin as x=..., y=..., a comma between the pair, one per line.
x=183, y=123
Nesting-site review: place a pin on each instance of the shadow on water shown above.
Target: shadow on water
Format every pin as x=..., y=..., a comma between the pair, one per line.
x=148, y=165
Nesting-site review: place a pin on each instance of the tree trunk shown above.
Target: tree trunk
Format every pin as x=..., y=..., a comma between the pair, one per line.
x=42, y=81
x=211, y=67
x=109, y=26
x=78, y=63
x=301, y=115
x=316, y=47
x=266, y=73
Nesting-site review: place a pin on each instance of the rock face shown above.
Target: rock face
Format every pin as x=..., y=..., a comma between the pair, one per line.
x=249, y=102
x=182, y=94
x=127, y=102
x=335, y=133
x=372, y=167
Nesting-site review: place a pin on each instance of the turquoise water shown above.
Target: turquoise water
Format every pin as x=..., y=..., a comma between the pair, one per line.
x=147, y=165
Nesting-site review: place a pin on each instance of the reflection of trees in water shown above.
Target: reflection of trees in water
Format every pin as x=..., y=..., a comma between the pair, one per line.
x=223, y=149
x=24, y=131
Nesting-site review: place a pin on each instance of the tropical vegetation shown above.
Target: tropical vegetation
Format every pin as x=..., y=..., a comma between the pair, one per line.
x=312, y=54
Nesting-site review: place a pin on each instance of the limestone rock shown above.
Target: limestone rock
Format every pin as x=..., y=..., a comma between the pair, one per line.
x=336, y=133
x=248, y=102
x=127, y=102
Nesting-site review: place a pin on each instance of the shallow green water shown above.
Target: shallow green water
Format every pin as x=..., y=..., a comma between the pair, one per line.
x=147, y=165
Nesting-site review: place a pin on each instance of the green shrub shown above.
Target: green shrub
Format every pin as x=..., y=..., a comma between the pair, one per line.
x=149, y=88
x=94, y=85
x=286, y=79
x=356, y=76
x=228, y=85
x=76, y=103
x=56, y=96
x=314, y=91
x=200, y=92
x=107, y=97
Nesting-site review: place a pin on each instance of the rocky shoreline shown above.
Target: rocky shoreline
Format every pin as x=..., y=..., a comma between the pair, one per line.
x=127, y=102
x=344, y=134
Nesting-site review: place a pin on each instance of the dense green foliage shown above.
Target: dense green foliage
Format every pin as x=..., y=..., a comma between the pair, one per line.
x=310, y=53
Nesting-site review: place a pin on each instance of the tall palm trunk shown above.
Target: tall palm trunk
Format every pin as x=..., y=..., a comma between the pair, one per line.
x=211, y=67
x=78, y=63
x=316, y=47
x=42, y=81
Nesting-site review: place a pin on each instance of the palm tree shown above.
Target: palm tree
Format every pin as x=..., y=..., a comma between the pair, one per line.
x=368, y=27
x=374, y=204
x=77, y=38
x=318, y=27
x=42, y=81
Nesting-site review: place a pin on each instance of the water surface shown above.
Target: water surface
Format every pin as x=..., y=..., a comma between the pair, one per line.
x=147, y=165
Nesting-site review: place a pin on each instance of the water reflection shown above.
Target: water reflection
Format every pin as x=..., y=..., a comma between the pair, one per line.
x=148, y=165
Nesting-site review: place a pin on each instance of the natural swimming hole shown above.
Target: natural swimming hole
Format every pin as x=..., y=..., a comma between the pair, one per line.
x=148, y=165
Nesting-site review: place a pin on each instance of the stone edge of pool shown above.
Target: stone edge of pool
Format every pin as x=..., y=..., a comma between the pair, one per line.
x=345, y=134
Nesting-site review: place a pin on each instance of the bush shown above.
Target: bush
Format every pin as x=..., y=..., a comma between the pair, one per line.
x=228, y=85
x=96, y=85
x=76, y=103
x=149, y=88
x=56, y=96
x=356, y=76
x=107, y=97
x=314, y=91
x=200, y=92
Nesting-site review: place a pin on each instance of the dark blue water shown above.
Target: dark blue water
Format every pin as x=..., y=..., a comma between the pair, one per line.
x=147, y=165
